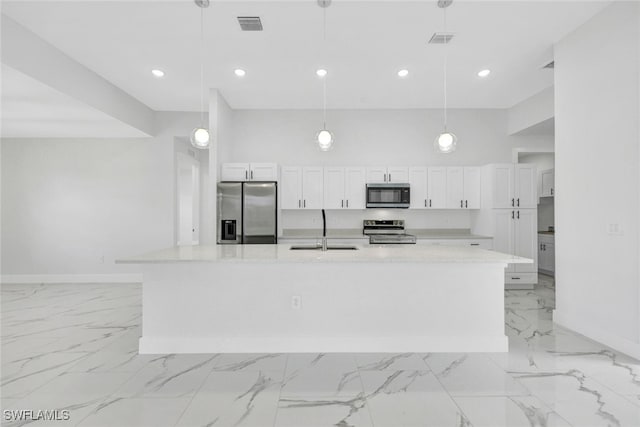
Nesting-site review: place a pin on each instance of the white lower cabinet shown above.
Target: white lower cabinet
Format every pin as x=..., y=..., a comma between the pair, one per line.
x=546, y=254
x=301, y=187
x=475, y=243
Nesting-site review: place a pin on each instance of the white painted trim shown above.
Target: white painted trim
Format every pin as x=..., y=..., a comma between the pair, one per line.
x=336, y=344
x=518, y=150
x=600, y=335
x=70, y=278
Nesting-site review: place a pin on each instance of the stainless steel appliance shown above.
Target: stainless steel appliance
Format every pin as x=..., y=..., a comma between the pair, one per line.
x=247, y=212
x=389, y=231
x=388, y=196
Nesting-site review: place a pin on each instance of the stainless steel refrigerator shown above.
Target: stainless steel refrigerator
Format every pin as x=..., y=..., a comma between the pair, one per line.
x=247, y=212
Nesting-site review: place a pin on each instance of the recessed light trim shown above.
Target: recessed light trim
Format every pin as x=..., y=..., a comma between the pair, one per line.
x=484, y=73
x=240, y=72
x=321, y=72
x=158, y=73
x=403, y=73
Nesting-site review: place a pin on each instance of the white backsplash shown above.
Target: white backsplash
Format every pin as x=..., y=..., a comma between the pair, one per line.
x=298, y=219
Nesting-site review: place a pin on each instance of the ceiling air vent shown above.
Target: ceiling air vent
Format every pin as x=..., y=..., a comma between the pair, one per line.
x=550, y=65
x=250, y=23
x=441, y=38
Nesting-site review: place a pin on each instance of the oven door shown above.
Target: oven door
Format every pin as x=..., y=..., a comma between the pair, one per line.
x=388, y=196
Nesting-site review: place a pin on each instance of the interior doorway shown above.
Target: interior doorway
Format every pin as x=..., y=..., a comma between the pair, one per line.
x=188, y=200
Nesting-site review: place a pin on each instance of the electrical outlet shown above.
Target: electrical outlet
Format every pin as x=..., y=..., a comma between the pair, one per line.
x=296, y=302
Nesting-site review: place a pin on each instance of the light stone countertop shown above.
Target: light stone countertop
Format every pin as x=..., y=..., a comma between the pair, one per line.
x=354, y=233
x=281, y=253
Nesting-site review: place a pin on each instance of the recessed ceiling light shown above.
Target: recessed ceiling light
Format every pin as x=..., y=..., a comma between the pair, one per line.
x=157, y=73
x=240, y=72
x=403, y=73
x=321, y=72
x=484, y=73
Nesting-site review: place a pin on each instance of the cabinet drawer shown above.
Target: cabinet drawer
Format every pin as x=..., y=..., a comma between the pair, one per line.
x=524, y=278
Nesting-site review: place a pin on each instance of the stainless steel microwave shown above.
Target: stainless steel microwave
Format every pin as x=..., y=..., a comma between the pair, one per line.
x=388, y=196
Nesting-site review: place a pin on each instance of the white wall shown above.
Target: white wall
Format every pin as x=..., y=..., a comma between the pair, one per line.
x=531, y=111
x=597, y=96
x=67, y=203
x=371, y=137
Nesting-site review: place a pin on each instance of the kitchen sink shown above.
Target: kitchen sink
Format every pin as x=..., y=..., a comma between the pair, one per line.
x=319, y=248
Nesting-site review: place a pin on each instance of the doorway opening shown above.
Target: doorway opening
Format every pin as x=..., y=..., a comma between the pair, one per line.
x=188, y=200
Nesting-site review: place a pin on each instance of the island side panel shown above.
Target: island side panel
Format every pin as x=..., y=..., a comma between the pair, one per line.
x=359, y=307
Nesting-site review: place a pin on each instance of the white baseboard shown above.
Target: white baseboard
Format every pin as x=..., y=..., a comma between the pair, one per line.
x=600, y=335
x=293, y=344
x=70, y=278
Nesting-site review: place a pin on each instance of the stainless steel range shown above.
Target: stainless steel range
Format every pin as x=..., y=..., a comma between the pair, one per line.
x=390, y=231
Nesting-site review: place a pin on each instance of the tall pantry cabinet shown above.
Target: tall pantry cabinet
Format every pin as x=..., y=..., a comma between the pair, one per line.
x=509, y=214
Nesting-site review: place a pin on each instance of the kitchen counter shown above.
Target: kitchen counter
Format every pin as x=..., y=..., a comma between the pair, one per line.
x=281, y=253
x=353, y=233
x=270, y=299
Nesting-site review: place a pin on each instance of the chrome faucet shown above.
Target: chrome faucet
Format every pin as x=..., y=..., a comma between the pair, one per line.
x=324, y=231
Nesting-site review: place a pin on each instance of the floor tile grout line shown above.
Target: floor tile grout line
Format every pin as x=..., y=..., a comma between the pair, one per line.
x=284, y=374
x=196, y=393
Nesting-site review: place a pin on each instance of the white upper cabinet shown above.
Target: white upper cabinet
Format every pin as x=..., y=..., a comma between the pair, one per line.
x=354, y=188
x=344, y=188
x=513, y=186
x=437, y=187
x=263, y=172
x=333, y=188
x=419, y=187
x=547, y=184
x=249, y=172
x=384, y=174
x=312, y=188
x=463, y=188
x=398, y=174
x=526, y=186
x=234, y=172
x=301, y=188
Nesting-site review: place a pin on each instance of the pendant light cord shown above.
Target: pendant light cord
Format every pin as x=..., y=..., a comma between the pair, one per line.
x=201, y=66
x=445, y=68
x=324, y=79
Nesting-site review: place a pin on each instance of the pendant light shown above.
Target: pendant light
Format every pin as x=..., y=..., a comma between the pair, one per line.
x=200, y=137
x=446, y=141
x=324, y=138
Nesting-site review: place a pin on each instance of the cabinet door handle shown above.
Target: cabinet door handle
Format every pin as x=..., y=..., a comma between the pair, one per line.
x=518, y=202
x=518, y=214
x=552, y=191
x=429, y=202
x=251, y=174
x=425, y=203
x=385, y=177
x=475, y=244
x=466, y=203
x=246, y=175
x=389, y=177
x=304, y=203
x=347, y=202
x=299, y=204
x=513, y=215
x=515, y=278
x=513, y=203
x=544, y=247
x=342, y=203
x=461, y=204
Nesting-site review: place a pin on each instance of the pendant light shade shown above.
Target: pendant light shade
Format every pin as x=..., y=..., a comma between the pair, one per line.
x=325, y=140
x=200, y=137
x=445, y=142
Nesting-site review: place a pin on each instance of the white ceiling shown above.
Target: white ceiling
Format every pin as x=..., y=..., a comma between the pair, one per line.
x=30, y=108
x=367, y=42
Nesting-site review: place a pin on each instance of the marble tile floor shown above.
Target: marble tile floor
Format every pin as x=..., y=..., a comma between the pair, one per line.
x=74, y=348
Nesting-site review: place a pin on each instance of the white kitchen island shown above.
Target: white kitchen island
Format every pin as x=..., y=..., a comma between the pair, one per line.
x=270, y=299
